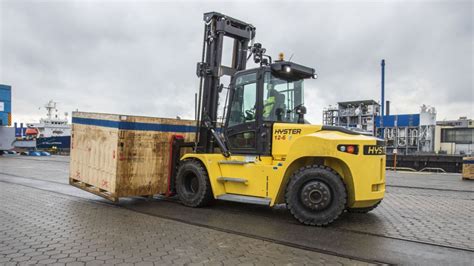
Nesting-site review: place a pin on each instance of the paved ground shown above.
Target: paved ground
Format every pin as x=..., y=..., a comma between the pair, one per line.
x=40, y=227
x=413, y=224
x=445, y=181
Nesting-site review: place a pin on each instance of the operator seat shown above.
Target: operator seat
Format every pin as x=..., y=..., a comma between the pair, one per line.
x=280, y=107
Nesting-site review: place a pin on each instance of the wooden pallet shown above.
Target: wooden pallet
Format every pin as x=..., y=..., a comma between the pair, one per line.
x=94, y=190
x=468, y=177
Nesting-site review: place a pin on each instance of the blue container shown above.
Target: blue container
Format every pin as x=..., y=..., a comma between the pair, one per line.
x=409, y=120
x=406, y=120
x=5, y=105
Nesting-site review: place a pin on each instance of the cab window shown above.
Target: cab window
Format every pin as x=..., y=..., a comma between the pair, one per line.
x=244, y=100
x=280, y=99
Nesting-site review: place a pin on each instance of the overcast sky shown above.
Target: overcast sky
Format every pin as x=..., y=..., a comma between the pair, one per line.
x=139, y=57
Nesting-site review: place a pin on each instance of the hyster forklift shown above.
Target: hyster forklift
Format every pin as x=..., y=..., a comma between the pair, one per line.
x=265, y=152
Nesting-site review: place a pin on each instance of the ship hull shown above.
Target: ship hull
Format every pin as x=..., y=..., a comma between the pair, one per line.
x=60, y=142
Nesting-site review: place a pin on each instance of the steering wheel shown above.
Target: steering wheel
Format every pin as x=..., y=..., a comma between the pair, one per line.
x=250, y=114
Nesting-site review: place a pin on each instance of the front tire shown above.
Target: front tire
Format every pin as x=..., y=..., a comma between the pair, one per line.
x=316, y=195
x=192, y=184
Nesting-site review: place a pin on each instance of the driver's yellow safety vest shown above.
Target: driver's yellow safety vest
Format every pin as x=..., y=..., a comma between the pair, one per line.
x=268, y=106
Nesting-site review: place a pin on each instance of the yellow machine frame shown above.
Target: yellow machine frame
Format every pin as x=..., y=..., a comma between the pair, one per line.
x=295, y=146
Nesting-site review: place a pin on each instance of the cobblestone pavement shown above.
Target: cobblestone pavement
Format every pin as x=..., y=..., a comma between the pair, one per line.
x=436, y=209
x=43, y=227
x=437, y=217
x=426, y=215
x=443, y=181
x=52, y=169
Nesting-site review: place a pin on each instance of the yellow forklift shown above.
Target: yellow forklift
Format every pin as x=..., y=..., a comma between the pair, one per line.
x=265, y=152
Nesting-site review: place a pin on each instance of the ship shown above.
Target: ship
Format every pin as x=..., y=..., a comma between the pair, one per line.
x=52, y=132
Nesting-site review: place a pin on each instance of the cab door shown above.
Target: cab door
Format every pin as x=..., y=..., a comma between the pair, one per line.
x=241, y=124
x=242, y=173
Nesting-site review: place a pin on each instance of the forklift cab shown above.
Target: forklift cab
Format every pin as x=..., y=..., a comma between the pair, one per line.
x=260, y=97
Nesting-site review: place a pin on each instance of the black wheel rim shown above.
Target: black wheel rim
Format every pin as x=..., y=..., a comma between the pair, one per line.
x=191, y=183
x=315, y=195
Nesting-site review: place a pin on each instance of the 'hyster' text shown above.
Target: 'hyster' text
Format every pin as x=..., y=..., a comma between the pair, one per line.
x=288, y=131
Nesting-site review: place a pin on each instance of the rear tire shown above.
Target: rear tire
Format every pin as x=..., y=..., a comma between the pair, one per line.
x=192, y=184
x=316, y=195
x=363, y=210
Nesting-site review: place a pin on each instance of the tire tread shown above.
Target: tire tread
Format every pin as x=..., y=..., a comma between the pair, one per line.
x=206, y=195
x=309, y=221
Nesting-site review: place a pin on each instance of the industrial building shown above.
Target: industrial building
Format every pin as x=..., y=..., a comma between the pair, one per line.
x=455, y=136
x=7, y=133
x=354, y=115
x=5, y=105
x=403, y=133
x=408, y=133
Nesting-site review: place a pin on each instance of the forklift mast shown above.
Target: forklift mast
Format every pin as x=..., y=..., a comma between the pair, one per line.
x=217, y=26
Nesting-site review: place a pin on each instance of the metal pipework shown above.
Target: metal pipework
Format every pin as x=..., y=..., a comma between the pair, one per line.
x=382, y=102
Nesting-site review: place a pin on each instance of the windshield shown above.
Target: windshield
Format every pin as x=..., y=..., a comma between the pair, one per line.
x=280, y=98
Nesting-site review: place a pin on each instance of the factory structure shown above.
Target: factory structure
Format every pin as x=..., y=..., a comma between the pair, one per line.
x=404, y=134
x=355, y=115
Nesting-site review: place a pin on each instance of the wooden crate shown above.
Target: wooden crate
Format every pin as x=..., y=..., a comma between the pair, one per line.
x=468, y=168
x=121, y=156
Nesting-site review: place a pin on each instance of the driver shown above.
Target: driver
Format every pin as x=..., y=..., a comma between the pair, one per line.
x=269, y=103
